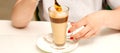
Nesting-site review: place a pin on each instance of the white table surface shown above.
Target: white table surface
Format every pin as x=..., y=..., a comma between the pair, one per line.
x=14, y=40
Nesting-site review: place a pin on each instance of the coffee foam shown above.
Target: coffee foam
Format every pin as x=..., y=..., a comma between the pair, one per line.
x=56, y=14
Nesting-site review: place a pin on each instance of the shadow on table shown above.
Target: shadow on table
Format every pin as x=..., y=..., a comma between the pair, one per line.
x=103, y=32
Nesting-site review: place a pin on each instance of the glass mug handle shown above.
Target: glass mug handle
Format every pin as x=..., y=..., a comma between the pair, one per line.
x=72, y=33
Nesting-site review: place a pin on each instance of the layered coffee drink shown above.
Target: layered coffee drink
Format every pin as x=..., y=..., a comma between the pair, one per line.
x=59, y=40
x=59, y=25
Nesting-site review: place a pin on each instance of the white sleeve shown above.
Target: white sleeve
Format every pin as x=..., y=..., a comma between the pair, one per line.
x=113, y=3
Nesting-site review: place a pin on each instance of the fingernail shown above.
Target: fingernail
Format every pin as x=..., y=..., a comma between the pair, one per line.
x=69, y=31
x=71, y=38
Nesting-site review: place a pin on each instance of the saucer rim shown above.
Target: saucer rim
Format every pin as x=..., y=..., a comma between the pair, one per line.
x=52, y=50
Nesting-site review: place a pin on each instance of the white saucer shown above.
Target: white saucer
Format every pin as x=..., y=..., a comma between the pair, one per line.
x=46, y=46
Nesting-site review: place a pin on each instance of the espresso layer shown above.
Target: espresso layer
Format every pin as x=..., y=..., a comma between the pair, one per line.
x=59, y=20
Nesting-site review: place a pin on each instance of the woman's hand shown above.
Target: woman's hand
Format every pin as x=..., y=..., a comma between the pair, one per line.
x=92, y=24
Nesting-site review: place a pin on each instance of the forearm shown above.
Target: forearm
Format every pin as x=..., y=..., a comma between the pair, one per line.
x=113, y=19
x=23, y=12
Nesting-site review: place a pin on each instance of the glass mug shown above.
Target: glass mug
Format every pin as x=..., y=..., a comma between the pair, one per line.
x=58, y=24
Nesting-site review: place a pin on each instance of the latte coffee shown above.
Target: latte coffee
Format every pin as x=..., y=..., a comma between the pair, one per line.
x=59, y=25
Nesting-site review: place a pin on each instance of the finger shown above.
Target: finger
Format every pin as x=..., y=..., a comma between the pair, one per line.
x=72, y=23
x=82, y=33
x=90, y=34
x=76, y=25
